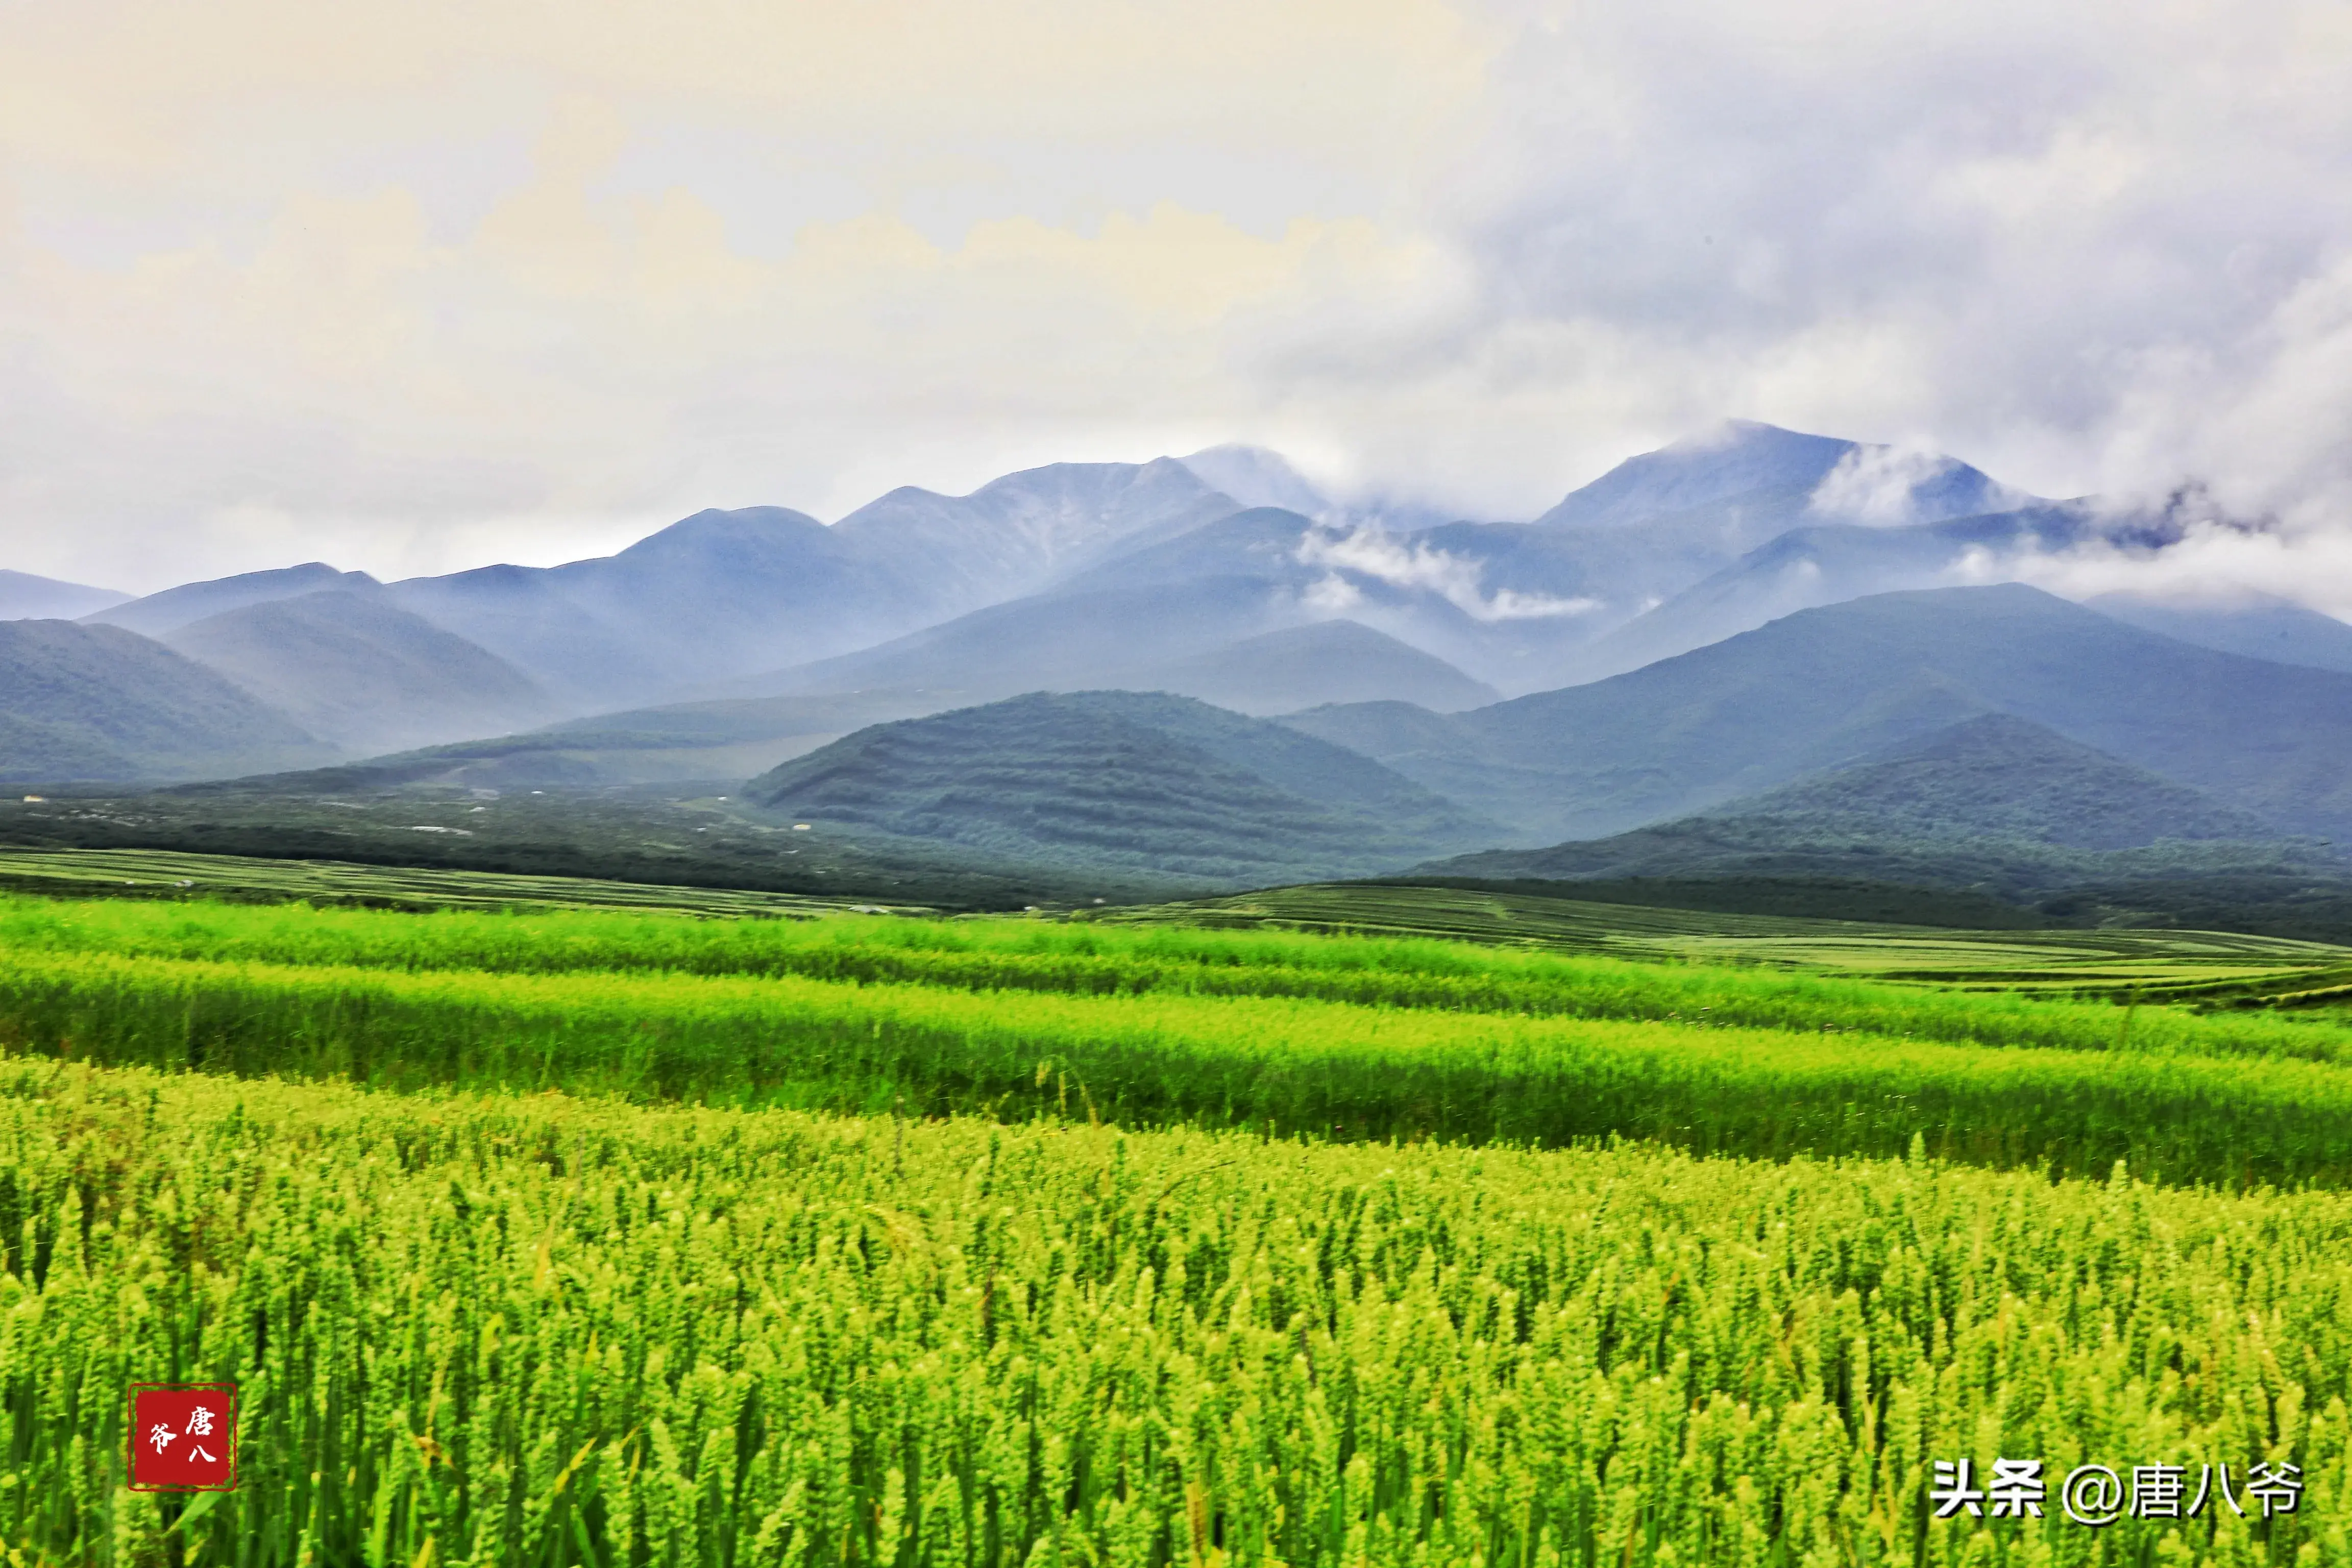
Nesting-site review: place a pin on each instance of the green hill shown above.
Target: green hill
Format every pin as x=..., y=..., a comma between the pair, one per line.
x=1826, y=688
x=355, y=669
x=1993, y=807
x=2000, y=777
x=98, y=703
x=1140, y=780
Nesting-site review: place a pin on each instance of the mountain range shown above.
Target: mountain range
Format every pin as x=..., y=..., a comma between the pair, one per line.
x=1993, y=801
x=1821, y=688
x=1753, y=644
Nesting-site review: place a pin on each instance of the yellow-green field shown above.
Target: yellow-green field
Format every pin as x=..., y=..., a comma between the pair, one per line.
x=2153, y=963
x=586, y=1228
x=171, y=874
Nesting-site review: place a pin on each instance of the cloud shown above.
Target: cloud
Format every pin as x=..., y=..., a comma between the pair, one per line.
x=1878, y=485
x=1404, y=562
x=414, y=288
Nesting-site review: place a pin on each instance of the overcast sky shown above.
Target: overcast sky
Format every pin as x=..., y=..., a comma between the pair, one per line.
x=415, y=286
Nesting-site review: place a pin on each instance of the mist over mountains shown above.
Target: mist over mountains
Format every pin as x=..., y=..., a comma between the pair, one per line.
x=1745, y=614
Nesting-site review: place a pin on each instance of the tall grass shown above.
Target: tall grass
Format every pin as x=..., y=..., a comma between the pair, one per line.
x=1104, y=960
x=532, y=1332
x=1280, y=1066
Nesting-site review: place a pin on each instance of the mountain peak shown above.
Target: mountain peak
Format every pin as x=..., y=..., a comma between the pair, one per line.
x=714, y=527
x=2001, y=775
x=1255, y=477
x=191, y=602
x=25, y=598
x=1755, y=466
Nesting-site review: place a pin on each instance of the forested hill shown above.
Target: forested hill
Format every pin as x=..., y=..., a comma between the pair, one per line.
x=1124, y=780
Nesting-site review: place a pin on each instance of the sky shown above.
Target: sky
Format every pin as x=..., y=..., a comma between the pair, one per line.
x=414, y=288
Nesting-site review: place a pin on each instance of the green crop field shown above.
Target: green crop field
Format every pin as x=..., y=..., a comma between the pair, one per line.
x=172, y=875
x=2171, y=964
x=560, y=1225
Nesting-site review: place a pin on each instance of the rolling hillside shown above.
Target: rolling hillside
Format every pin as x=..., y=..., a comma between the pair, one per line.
x=1062, y=641
x=355, y=670
x=168, y=611
x=25, y=598
x=1827, y=686
x=1993, y=801
x=1122, y=780
x=1306, y=667
x=84, y=702
x=2259, y=626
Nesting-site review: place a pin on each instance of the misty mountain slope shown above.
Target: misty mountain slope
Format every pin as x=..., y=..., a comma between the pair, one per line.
x=713, y=596
x=1827, y=685
x=1014, y=535
x=722, y=593
x=1264, y=544
x=1656, y=526
x=1120, y=781
x=2258, y=627
x=691, y=742
x=359, y=672
x=1254, y=477
x=102, y=703
x=2002, y=777
x=1309, y=573
x=1065, y=641
x=190, y=602
x=1993, y=776
x=25, y=598
x=1996, y=803
x=721, y=596
x=1306, y=667
x=1821, y=565
x=523, y=615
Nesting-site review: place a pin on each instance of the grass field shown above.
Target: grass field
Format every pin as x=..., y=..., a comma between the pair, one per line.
x=2172, y=965
x=171, y=874
x=548, y=1229
x=533, y=1329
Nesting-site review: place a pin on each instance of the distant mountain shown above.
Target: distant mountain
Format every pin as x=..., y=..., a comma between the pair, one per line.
x=1306, y=667
x=1066, y=641
x=83, y=702
x=2000, y=776
x=175, y=607
x=714, y=595
x=356, y=671
x=1762, y=466
x=1990, y=805
x=1825, y=563
x=2259, y=626
x=1994, y=787
x=1122, y=780
x=1303, y=572
x=1254, y=478
x=25, y=598
x=1826, y=687
x=1012, y=536
x=721, y=595
x=716, y=742
x=1525, y=606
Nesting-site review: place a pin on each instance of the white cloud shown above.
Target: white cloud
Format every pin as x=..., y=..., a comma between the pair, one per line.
x=411, y=288
x=1416, y=564
x=1877, y=485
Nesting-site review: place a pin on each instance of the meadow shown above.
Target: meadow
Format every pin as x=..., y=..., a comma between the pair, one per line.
x=537, y=1329
x=582, y=1235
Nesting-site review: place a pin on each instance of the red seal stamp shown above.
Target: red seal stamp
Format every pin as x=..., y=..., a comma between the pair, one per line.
x=183, y=1436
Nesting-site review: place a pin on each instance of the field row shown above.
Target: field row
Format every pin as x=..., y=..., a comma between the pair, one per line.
x=537, y=1330
x=1101, y=960
x=1277, y=1065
